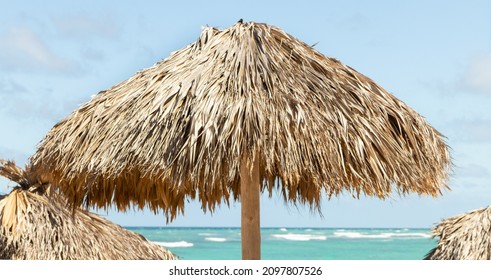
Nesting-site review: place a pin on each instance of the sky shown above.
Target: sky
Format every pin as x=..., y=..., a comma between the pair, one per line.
x=433, y=55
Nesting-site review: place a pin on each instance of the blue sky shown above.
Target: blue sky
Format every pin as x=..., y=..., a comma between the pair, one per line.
x=433, y=55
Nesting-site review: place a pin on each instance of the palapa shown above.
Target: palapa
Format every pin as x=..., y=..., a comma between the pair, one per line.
x=35, y=224
x=247, y=107
x=463, y=237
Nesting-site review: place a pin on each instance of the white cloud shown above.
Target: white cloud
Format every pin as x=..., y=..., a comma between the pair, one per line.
x=33, y=103
x=23, y=50
x=85, y=27
x=10, y=87
x=478, y=74
x=29, y=107
x=475, y=131
x=93, y=54
x=20, y=157
x=472, y=170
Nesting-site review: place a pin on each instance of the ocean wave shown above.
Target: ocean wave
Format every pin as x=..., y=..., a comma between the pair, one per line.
x=216, y=239
x=174, y=244
x=300, y=237
x=283, y=229
x=386, y=235
x=204, y=234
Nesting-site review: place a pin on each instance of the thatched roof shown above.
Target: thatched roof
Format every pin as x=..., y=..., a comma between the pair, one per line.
x=35, y=225
x=464, y=237
x=179, y=129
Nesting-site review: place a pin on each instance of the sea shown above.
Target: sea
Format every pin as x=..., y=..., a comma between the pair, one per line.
x=198, y=243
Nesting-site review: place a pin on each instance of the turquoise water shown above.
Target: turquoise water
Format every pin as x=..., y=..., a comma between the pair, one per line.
x=295, y=243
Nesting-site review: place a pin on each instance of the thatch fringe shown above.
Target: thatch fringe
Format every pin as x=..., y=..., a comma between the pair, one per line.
x=9, y=170
x=179, y=129
x=463, y=237
x=36, y=225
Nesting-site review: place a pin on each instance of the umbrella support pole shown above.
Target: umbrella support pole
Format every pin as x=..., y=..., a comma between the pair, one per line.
x=250, y=187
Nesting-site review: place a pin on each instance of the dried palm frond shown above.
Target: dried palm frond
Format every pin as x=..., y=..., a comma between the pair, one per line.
x=9, y=170
x=179, y=129
x=38, y=226
x=464, y=237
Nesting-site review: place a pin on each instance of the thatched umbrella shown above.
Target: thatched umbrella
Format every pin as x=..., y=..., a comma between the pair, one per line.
x=239, y=111
x=36, y=225
x=464, y=237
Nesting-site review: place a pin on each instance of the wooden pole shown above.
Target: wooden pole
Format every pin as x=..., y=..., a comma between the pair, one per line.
x=250, y=186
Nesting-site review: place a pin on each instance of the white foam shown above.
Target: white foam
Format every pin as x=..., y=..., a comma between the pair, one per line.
x=216, y=239
x=354, y=234
x=414, y=234
x=300, y=237
x=348, y=234
x=175, y=244
x=283, y=229
x=204, y=234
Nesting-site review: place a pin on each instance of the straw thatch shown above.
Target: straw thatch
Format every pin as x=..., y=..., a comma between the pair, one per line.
x=179, y=129
x=464, y=237
x=35, y=225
